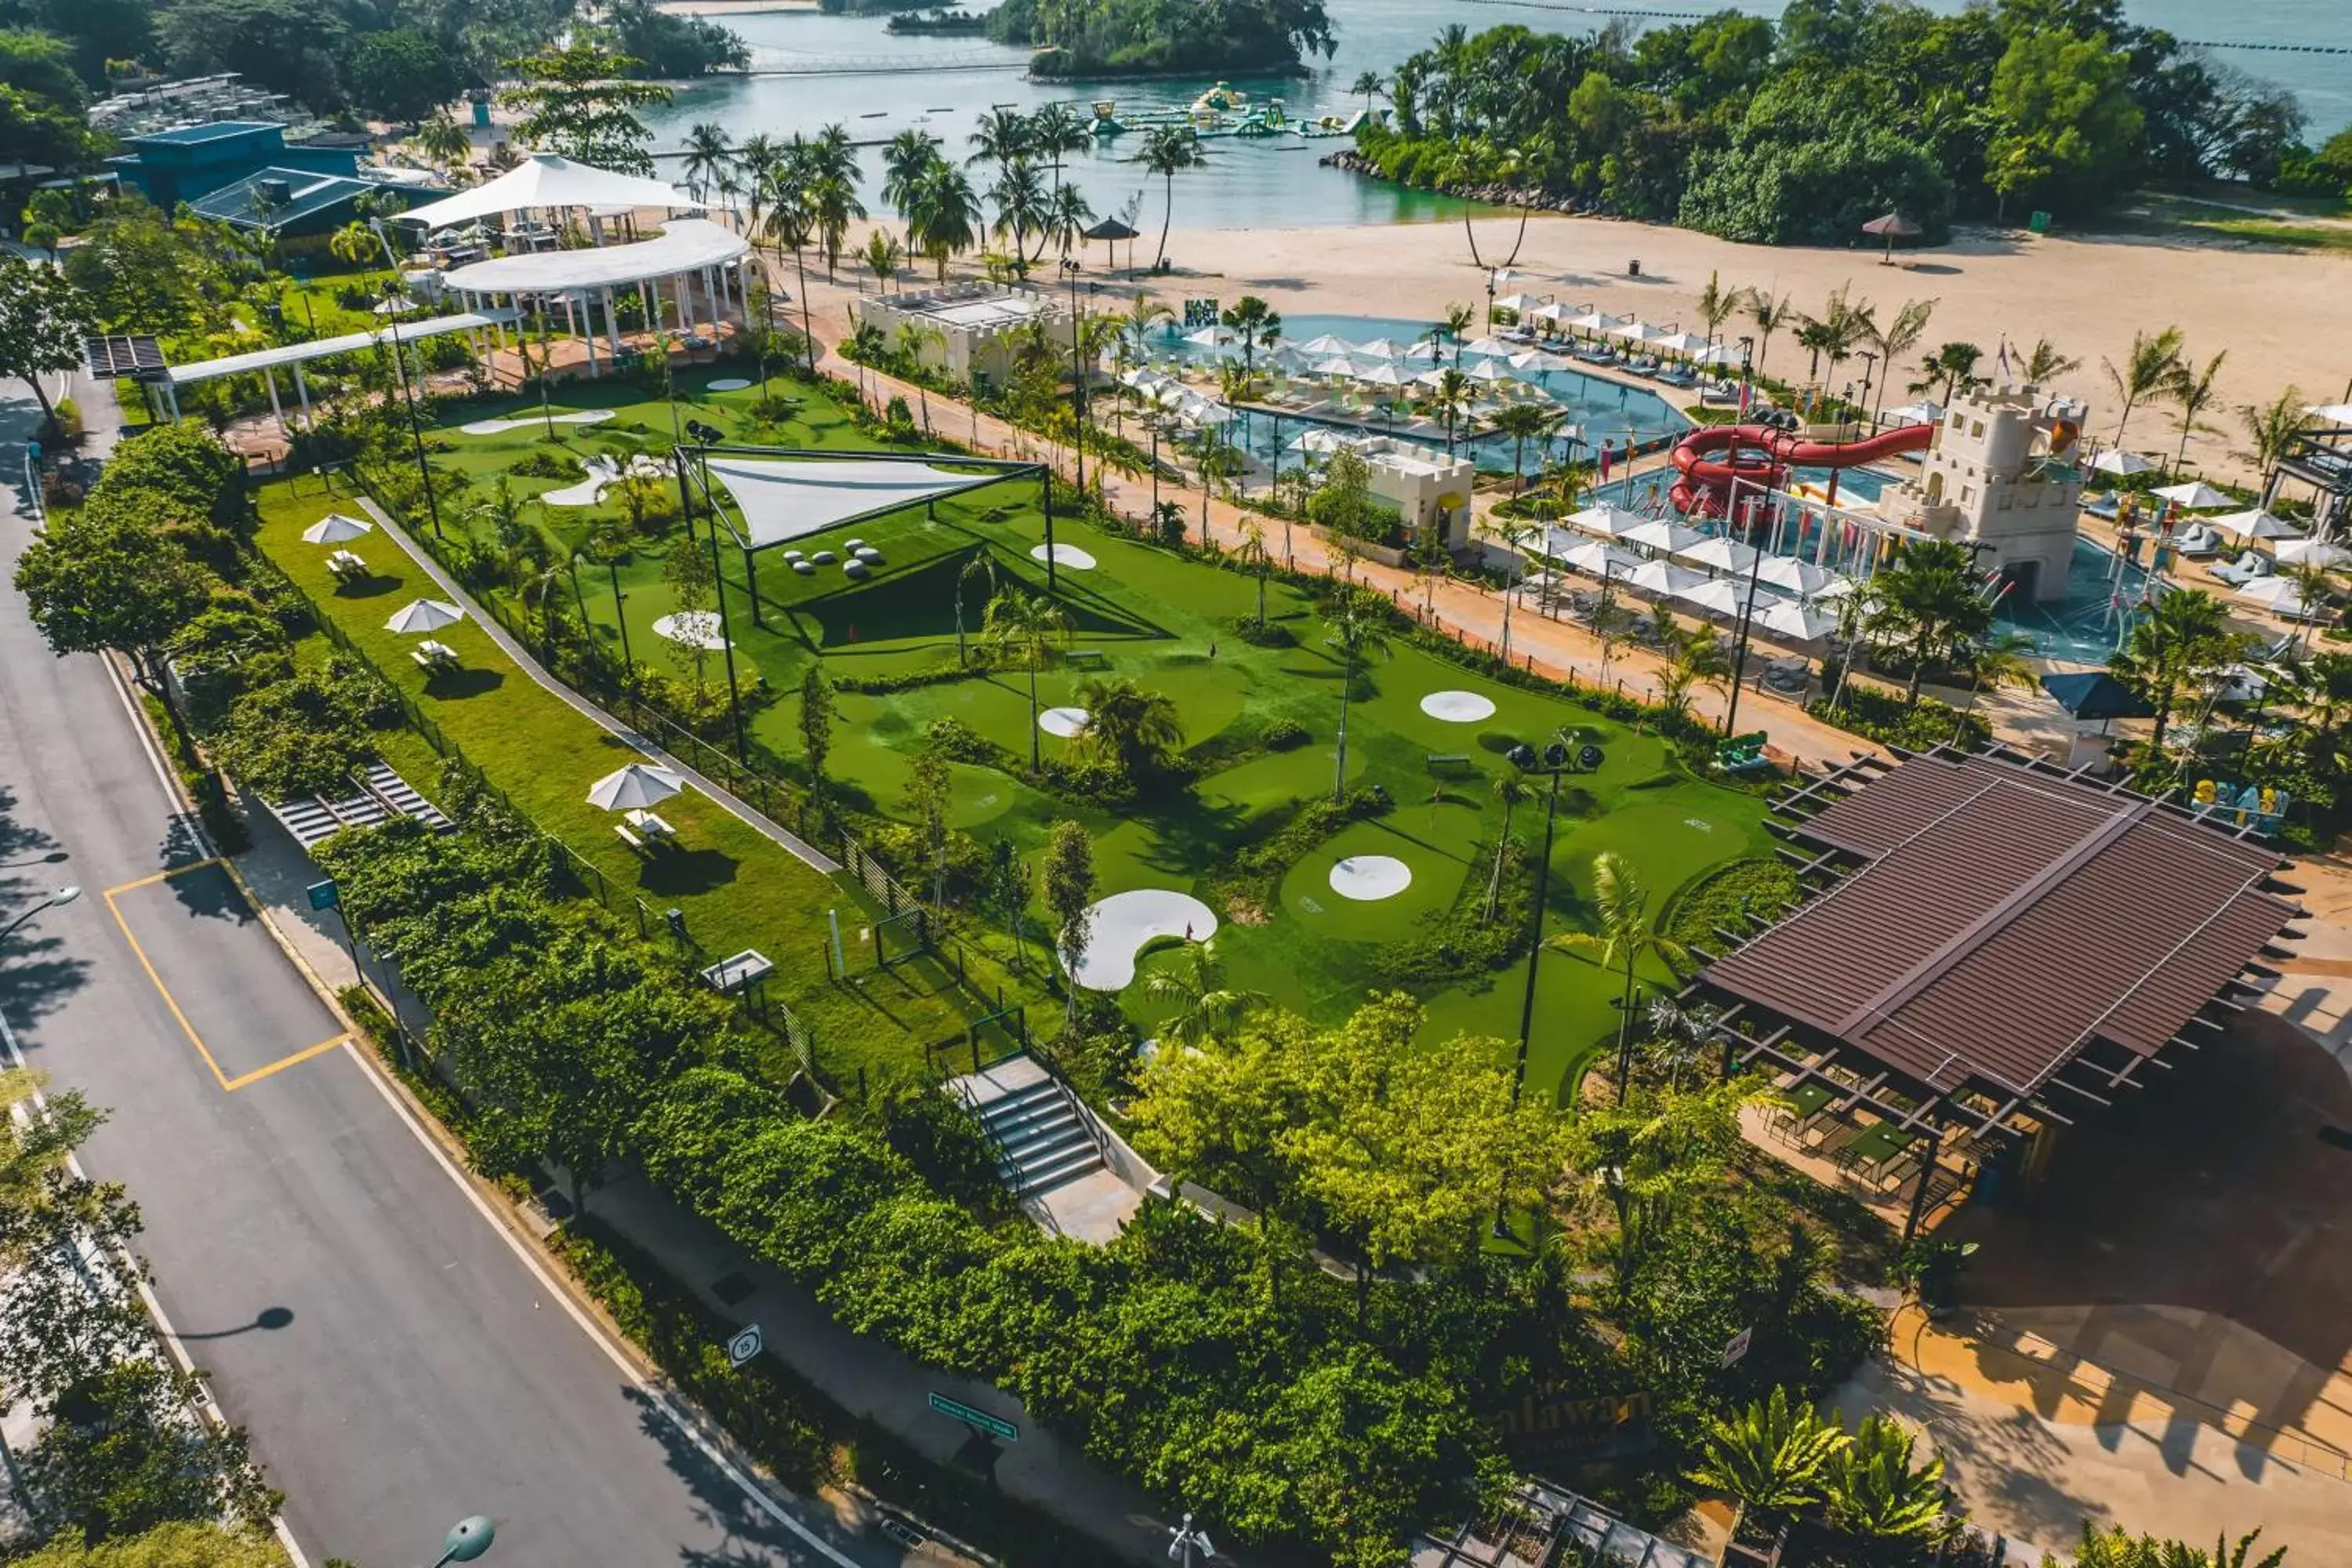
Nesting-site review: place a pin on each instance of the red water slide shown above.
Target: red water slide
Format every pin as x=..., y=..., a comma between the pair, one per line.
x=1757, y=455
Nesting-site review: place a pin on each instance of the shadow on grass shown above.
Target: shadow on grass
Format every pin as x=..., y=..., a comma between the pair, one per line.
x=374, y=585
x=687, y=873
x=1193, y=834
x=455, y=685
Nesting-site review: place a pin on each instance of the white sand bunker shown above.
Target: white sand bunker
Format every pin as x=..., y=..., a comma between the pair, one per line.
x=536, y=422
x=1063, y=721
x=1069, y=555
x=696, y=628
x=1124, y=923
x=1367, y=879
x=729, y=383
x=1458, y=707
x=602, y=474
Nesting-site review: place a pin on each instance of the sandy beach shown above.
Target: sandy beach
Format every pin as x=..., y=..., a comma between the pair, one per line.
x=2285, y=318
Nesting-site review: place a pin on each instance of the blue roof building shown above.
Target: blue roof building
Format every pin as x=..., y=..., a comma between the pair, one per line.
x=191, y=162
x=288, y=204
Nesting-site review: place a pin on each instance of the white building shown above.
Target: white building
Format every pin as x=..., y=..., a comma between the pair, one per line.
x=2002, y=474
x=1430, y=489
x=969, y=331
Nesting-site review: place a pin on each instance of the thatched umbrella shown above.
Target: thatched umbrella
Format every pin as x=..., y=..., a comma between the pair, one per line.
x=1894, y=227
x=1110, y=230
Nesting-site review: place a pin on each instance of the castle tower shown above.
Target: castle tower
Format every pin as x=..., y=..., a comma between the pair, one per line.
x=2002, y=475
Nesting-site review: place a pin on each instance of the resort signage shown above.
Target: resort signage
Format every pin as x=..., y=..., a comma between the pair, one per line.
x=1554, y=1420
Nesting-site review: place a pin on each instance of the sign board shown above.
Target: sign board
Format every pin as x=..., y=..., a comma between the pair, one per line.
x=1200, y=313
x=1736, y=1346
x=1557, y=1421
x=324, y=896
x=979, y=1420
x=745, y=1345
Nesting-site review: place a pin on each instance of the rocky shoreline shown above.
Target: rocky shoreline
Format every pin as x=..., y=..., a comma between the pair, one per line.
x=1493, y=192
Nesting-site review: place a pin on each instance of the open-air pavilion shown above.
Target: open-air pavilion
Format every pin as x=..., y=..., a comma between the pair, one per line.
x=1989, y=948
x=159, y=377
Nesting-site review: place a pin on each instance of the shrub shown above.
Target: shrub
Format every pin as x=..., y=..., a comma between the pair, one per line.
x=1282, y=735
x=1725, y=896
x=547, y=466
x=1881, y=716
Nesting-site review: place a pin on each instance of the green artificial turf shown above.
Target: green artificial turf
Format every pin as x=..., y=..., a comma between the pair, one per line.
x=1165, y=621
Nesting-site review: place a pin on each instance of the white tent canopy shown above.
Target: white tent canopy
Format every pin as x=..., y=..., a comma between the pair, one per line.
x=685, y=246
x=549, y=180
x=784, y=498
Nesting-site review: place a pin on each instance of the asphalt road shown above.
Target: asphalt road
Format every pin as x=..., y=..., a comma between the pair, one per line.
x=399, y=1362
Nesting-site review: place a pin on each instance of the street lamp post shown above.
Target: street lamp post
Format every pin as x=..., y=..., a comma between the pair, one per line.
x=1078, y=375
x=1189, y=1544
x=55, y=900
x=468, y=1539
x=1555, y=761
x=1748, y=609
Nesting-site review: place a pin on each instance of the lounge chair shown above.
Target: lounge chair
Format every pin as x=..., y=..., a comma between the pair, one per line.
x=2102, y=506
x=2198, y=543
x=1677, y=378
x=2248, y=566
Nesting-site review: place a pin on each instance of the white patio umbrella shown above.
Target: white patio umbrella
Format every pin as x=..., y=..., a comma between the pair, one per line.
x=1317, y=440
x=1517, y=304
x=1593, y=321
x=1334, y=364
x=1536, y=360
x=1680, y=343
x=1717, y=596
x=1209, y=338
x=1720, y=554
x=633, y=788
x=1381, y=348
x=1551, y=313
x=1926, y=411
x=1606, y=519
x=2313, y=552
x=1385, y=376
x=1486, y=374
x=2116, y=460
x=1634, y=331
x=2255, y=524
x=2280, y=593
x=1489, y=348
x=1663, y=578
x=1317, y=347
x=1798, y=623
x=337, y=528
x=1433, y=376
x=2331, y=413
x=2195, y=494
x=1665, y=538
x=1596, y=558
x=1795, y=577
x=424, y=615
x=1721, y=353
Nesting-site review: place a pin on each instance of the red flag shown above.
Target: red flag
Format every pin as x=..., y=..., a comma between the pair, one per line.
x=1606, y=453
x=1746, y=392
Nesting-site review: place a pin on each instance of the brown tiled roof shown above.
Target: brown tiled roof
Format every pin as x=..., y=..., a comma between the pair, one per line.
x=2004, y=919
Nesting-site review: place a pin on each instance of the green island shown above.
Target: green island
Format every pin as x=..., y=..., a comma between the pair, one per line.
x=1164, y=38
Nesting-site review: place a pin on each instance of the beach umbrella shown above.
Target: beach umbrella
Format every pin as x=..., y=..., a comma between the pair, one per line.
x=1798, y=623
x=1314, y=439
x=1110, y=231
x=1664, y=579
x=1486, y=374
x=1488, y=348
x=1334, y=364
x=1893, y=226
x=2313, y=552
x=2280, y=593
x=2195, y=494
x=1209, y=338
x=1665, y=538
x=633, y=788
x=336, y=528
x=1721, y=553
x=1551, y=313
x=424, y=615
x=1795, y=577
x=1536, y=360
x=1633, y=331
x=1606, y=519
x=1517, y=304
x=1381, y=348
x=1681, y=344
x=1592, y=321
x=2116, y=460
x=1325, y=345
x=1596, y=558
x=1721, y=353
x=1926, y=411
x=1385, y=376
x=2255, y=524
x=1717, y=596
x=1433, y=376
x=2331, y=413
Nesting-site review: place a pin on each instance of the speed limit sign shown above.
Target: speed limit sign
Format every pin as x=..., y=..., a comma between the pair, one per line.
x=745, y=1345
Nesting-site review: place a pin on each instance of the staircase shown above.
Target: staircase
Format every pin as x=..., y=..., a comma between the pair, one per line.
x=1041, y=1140
x=383, y=796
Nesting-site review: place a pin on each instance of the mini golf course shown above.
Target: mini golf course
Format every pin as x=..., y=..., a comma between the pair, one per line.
x=1260, y=724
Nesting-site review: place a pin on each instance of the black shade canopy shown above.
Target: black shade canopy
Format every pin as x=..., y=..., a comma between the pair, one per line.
x=2095, y=694
x=1110, y=228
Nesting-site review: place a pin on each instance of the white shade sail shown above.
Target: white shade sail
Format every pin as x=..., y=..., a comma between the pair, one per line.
x=633, y=788
x=549, y=180
x=424, y=615
x=2254, y=524
x=1798, y=623
x=2116, y=460
x=2195, y=494
x=1721, y=554
x=336, y=528
x=784, y=498
x=685, y=246
x=1717, y=596
x=1795, y=577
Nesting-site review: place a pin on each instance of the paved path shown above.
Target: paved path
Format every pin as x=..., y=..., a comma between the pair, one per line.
x=399, y=1358
x=767, y=827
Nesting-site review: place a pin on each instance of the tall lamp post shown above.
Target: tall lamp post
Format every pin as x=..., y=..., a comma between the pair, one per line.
x=1078, y=375
x=55, y=900
x=1555, y=761
x=1189, y=1544
x=468, y=1539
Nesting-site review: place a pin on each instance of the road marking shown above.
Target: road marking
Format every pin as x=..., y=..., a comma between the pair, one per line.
x=165, y=990
x=166, y=875
x=759, y=1496
x=282, y=1063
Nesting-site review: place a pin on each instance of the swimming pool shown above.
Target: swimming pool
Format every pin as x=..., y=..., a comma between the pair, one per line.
x=1594, y=409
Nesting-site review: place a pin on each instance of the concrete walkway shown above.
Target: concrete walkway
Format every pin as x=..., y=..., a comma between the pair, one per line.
x=807, y=853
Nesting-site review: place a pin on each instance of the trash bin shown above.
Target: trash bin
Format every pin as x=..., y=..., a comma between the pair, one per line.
x=2039, y=223
x=1633, y=268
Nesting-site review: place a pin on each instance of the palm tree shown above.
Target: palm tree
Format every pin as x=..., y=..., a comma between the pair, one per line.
x=1055, y=131
x=833, y=206
x=1523, y=421
x=2184, y=637
x=982, y=565
x=943, y=213
x=1510, y=788
x=1873, y=1492
x=910, y=339
x=1770, y=315
x=1896, y=339
x=1450, y=399
x=1690, y=655
x=1020, y=198
x=1133, y=730
x=1207, y=1010
x=1623, y=936
x=1029, y=630
x=2044, y=363
x=2146, y=371
x=1929, y=601
x=1717, y=304
x=1456, y=322
x=2192, y=392
x=1954, y=364
x=1368, y=84
x=445, y=141
x=1003, y=139
x=759, y=163
x=1769, y=1458
x=907, y=158
x=1513, y=533
x=790, y=226
x=1254, y=325
x=2005, y=659
x=1168, y=151
x=1352, y=622
x=2271, y=427
x=709, y=155
x=1067, y=217
x=354, y=245
x=883, y=255
x=1253, y=553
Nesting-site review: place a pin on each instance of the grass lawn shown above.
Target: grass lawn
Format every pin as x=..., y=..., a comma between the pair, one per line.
x=1167, y=622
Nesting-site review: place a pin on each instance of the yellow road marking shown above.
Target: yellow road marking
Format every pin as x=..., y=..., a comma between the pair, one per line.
x=228, y=1085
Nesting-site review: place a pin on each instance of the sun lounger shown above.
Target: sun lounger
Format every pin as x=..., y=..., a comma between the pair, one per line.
x=2248, y=566
x=2101, y=506
x=2197, y=541
x=1677, y=378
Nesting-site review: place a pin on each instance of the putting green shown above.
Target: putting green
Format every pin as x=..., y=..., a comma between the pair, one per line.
x=1307, y=891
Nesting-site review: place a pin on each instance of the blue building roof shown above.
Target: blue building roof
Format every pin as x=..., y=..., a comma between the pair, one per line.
x=194, y=135
x=310, y=199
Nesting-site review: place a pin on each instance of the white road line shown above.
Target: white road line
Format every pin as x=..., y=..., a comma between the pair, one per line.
x=759, y=1495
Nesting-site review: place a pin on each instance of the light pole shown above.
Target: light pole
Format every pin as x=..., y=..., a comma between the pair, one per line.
x=1555, y=761
x=55, y=900
x=1189, y=1544
x=1748, y=609
x=1078, y=376
x=1869, y=363
x=468, y=1539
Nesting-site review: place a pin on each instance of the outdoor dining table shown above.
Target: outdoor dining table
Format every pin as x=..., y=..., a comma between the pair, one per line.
x=653, y=827
x=1807, y=1098
x=1877, y=1145
x=436, y=656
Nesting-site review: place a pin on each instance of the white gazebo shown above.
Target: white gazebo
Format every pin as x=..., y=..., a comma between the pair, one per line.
x=550, y=182
x=687, y=253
